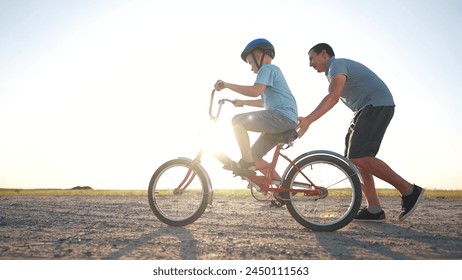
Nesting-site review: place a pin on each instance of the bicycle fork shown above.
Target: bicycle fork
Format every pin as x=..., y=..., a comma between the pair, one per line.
x=191, y=175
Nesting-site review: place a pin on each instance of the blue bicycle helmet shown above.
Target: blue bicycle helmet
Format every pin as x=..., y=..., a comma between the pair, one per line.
x=261, y=44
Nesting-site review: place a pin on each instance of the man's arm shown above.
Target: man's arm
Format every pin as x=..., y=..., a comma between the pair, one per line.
x=328, y=102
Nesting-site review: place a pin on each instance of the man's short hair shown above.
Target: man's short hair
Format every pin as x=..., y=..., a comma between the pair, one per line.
x=322, y=46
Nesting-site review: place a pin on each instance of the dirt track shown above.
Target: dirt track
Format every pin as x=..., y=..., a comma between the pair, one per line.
x=117, y=227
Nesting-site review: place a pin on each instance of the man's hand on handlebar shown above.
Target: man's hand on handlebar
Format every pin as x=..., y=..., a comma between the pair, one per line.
x=219, y=85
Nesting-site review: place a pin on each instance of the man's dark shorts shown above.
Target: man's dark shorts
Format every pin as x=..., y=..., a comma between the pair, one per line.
x=367, y=130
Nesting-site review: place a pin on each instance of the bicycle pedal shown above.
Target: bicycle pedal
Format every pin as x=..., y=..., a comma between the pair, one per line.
x=276, y=182
x=251, y=185
x=276, y=204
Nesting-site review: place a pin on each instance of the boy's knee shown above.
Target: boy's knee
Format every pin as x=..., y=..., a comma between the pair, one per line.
x=235, y=120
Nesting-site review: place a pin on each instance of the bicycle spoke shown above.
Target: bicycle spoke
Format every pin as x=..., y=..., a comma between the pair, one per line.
x=178, y=194
x=337, y=196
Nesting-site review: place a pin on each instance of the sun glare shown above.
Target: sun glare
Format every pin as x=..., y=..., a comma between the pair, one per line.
x=218, y=137
x=89, y=91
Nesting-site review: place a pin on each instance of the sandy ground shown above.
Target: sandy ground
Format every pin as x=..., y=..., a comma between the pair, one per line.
x=118, y=227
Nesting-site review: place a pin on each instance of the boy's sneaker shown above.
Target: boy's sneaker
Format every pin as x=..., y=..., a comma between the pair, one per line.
x=409, y=202
x=238, y=170
x=365, y=216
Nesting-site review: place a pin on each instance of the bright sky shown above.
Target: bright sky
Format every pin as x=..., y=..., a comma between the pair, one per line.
x=100, y=93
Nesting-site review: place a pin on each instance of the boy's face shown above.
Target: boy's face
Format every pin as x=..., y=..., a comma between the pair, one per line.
x=318, y=61
x=252, y=62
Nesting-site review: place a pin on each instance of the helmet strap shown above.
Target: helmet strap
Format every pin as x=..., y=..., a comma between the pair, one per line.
x=261, y=60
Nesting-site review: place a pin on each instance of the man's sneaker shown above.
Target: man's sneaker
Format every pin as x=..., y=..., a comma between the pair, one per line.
x=409, y=202
x=365, y=216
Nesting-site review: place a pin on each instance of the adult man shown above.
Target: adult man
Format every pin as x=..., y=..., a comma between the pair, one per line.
x=369, y=98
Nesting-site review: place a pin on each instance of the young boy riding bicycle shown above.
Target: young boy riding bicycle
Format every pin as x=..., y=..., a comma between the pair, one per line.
x=271, y=92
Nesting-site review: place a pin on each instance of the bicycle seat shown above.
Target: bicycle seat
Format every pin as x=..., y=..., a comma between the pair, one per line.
x=284, y=137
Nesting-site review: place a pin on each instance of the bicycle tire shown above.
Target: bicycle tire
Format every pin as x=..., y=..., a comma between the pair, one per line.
x=341, y=202
x=178, y=209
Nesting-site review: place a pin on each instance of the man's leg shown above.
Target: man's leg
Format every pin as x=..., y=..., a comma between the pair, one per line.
x=368, y=187
x=373, y=166
x=362, y=144
x=410, y=194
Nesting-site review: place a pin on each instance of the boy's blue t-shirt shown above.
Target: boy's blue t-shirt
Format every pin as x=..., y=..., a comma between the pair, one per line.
x=363, y=87
x=277, y=95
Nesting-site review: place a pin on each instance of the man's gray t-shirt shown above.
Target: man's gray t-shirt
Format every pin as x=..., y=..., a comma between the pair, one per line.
x=363, y=87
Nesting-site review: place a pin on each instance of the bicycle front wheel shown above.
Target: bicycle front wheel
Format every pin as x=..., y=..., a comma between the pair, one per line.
x=178, y=194
x=341, y=194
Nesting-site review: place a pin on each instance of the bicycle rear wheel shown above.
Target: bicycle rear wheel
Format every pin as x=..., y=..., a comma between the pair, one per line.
x=331, y=210
x=173, y=206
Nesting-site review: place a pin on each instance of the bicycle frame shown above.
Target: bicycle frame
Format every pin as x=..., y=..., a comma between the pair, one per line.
x=321, y=189
x=265, y=182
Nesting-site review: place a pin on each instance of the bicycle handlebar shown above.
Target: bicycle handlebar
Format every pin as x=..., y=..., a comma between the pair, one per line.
x=220, y=103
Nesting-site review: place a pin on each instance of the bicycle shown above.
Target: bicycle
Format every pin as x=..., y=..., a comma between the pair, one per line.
x=321, y=189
